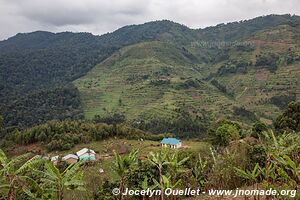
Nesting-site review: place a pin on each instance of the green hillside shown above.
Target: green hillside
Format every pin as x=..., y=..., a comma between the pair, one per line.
x=148, y=79
x=158, y=81
x=162, y=76
x=44, y=61
x=266, y=78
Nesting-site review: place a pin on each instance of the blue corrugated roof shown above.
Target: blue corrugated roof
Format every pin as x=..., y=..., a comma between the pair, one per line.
x=172, y=141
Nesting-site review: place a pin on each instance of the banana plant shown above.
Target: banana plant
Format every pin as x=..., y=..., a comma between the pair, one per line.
x=198, y=172
x=56, y=182
x=283, y=144
x=269, y=173
x=289, y=165
x=122, y=165
x=167, y=183
x=176, y=165
x=159, y=160
x=144, y=185
x=251, y=176
x=14, y=174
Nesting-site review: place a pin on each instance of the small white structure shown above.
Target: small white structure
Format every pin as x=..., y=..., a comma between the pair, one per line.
x=70, y=158
x=54, y=160
x=101, y=171
x=171, y=142
x=86, y=154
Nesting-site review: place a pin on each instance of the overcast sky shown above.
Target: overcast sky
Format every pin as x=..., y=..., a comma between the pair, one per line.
x=101, y=16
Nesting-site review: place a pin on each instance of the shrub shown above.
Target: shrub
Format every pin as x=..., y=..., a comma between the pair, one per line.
x=258, y=128
x=223, y=132
x=226, y=133
x=289, y=120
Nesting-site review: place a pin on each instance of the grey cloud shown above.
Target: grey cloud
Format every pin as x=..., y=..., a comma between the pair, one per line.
x=101, y=16
x=72, y=12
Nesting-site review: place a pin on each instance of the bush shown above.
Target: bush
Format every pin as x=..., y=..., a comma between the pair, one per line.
x=224, y=132
x=104, y=191
x=222, y=174
x=115, y=118
x=221, y=87
x=289, y=120
x=267, y=60
x=243, y=112
x=281, y=101
x=257, y=154
x=258, y=128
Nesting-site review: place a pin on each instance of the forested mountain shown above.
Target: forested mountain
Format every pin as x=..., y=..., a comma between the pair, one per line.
x=46, y=61
x=162, y=76
x=245, y=28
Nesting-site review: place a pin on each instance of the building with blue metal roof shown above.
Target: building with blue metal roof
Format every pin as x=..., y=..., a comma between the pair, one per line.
x=171, y=142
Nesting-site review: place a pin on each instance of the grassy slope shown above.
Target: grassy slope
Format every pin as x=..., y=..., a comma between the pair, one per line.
x=122, y=83
x=127, y=76
x=254, y=89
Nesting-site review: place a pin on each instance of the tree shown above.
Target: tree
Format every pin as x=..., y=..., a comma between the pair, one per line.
x=56, y=182
x=283, y=144
x=104, y=191
x=13, y=174
x=291, y=168
x=122, y=165
x=289, y=120
x=221, y=133
x=226, y=133
x=279, y=145
x=115, y=118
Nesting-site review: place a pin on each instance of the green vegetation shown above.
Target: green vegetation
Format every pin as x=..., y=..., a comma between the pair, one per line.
x=1, y=123
x=154, y=83
x=230, y=92
x=47, y=61
x=59, y=103
x=152, y=74
x=238, y=158
x=63, y=135
x=13, y=174
x=290, y=118
x=224, y=132
x=56, y=183
x=52, y=184
x=164, y=169
x=123, y=165
x=258, y=128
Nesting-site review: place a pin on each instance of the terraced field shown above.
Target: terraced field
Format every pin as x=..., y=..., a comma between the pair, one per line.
x=146, y=82
x=158, y=79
